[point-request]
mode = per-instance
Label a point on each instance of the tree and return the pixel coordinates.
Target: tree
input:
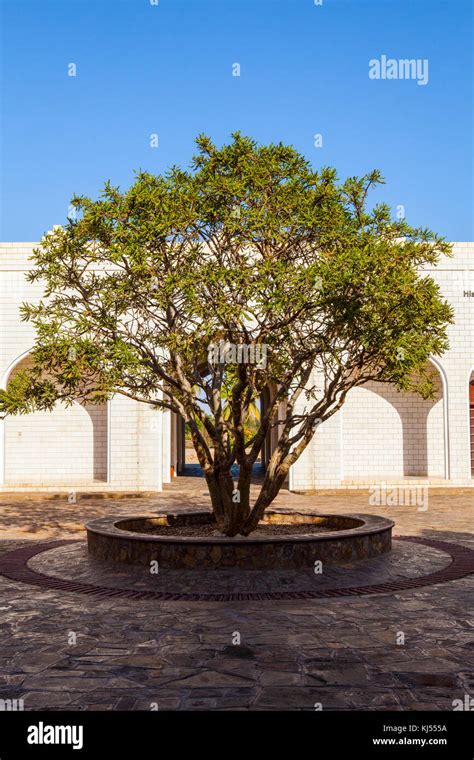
(249, 270)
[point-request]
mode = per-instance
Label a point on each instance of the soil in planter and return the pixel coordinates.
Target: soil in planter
(269, 529)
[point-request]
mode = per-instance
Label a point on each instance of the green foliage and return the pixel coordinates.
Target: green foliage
(251, 246)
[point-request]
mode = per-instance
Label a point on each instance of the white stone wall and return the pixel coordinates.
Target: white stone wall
(456, 279)
(72, 441)
(387, 434)
(382, 435)
(135, 449)
(54, 447)
(115, 447)
(378, 435)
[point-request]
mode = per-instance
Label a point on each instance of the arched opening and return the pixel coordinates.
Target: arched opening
(184, 458)
(67, 446)
(388, 434)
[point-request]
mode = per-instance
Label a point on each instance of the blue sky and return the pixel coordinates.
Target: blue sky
(166, 69)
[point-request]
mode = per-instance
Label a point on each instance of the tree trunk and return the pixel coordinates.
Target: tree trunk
(272, 483)
(230, 503)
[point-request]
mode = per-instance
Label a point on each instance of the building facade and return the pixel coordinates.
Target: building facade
(379, 436)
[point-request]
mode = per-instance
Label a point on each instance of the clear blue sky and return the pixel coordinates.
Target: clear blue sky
(167, 69)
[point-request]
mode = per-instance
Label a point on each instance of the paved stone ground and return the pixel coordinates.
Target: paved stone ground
(73, 563)
(402, 651)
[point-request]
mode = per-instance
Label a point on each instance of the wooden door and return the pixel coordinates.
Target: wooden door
(471, 419)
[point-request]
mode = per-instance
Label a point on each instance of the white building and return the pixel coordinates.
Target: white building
(380, 435)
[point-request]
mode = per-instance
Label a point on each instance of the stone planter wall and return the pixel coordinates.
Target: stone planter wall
(351, 538)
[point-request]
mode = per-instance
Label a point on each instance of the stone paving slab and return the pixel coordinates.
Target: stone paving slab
(448, 510)
(291, 655)
(72, 562)
(412, 650)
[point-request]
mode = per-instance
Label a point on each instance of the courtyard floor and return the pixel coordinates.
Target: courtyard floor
(406, 650)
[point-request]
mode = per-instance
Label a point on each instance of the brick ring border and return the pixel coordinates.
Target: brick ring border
(14, 566)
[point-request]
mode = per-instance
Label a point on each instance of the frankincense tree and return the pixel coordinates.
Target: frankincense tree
(251, 270)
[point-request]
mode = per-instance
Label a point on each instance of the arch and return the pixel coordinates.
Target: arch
(180, 461)
(11, 367)
(67, 446)
(390, 434)
(371, 434)
(444, 382)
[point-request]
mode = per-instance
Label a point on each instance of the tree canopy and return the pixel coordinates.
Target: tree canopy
(168, 291)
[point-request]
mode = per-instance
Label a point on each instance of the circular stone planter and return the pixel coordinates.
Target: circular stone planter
(346, 538)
